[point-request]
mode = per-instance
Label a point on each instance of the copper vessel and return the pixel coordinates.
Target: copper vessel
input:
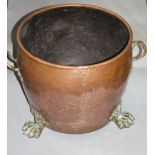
(74, 61)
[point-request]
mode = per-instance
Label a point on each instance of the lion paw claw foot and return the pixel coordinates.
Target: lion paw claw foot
(32, 129)
(122, 119)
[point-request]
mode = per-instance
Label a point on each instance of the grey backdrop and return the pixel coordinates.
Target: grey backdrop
(108, 140)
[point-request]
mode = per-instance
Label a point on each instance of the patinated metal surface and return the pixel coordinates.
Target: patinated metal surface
(75, 99)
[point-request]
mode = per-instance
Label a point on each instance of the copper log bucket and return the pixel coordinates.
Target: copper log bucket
(73, 62)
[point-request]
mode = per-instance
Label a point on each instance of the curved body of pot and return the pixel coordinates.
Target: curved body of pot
(75, 99)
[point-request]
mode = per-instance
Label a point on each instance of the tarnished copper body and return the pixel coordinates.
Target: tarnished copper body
(75, 99)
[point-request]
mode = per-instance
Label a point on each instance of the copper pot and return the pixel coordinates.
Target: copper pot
(74, 61)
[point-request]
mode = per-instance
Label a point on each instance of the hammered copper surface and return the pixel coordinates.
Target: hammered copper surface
(75, 99)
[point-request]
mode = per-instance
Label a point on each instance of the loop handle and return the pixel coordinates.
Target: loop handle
(12, 67)
(10, 57)
(13, 60)
(142, 50)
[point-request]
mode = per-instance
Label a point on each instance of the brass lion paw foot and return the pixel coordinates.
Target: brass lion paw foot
(122, 119)
(34, 129)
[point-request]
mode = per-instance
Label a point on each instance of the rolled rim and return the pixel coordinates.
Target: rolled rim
(46, 9)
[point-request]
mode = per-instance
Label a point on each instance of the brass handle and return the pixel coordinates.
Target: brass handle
(13, 60)
(11, 57)
(142, 49)
(12, 67)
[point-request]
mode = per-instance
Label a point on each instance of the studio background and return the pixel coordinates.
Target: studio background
(108, 140)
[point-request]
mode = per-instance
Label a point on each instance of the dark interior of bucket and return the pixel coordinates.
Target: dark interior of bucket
(75, 36)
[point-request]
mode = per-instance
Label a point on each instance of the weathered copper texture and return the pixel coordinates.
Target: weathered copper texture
(75, 99)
